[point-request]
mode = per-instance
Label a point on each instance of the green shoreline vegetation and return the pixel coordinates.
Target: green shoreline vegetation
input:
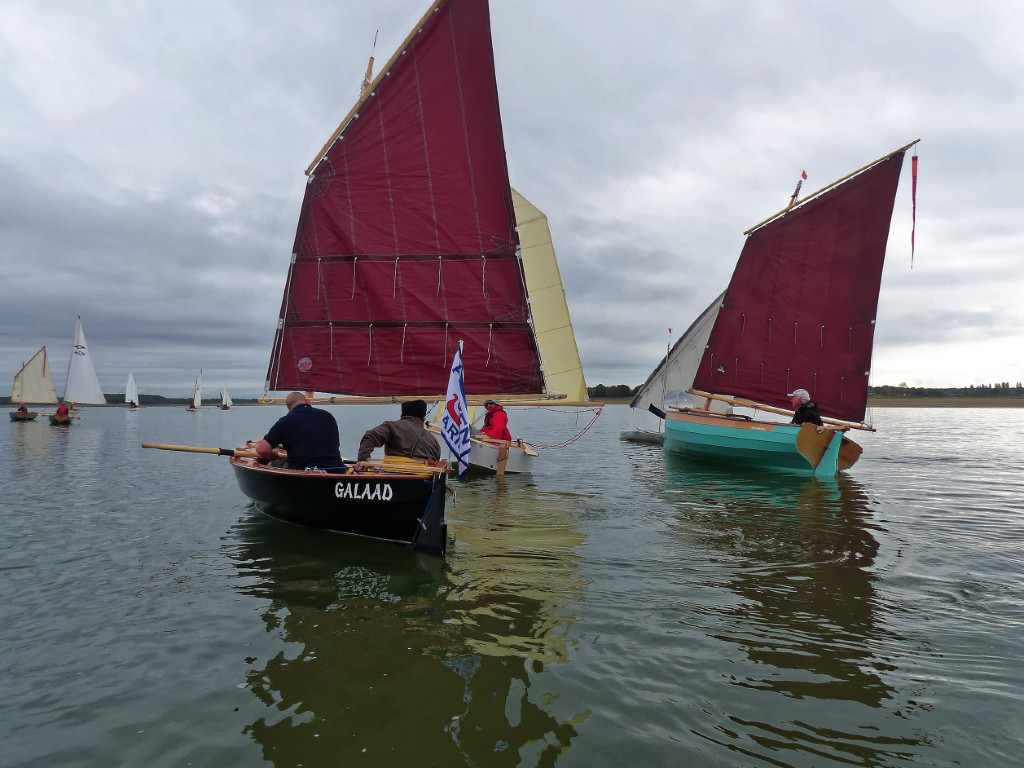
(1001, 395)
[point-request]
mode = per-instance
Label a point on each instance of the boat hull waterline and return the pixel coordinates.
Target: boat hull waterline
(799, 449)
(404, 508)
(487, 455)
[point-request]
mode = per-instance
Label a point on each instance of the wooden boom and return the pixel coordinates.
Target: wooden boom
(743, 403)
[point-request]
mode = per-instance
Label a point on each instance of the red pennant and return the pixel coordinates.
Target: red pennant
(913, 205)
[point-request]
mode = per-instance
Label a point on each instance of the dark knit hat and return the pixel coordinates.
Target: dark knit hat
(417, 408)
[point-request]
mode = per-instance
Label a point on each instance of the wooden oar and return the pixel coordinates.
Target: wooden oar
(237, 453)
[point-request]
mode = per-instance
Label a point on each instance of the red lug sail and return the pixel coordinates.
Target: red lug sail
(800, 308)
(406, 240)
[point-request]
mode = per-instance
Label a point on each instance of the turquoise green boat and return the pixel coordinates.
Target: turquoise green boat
(794, 329)
(799, 449)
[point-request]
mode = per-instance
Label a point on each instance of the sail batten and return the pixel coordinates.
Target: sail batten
(800, 308)
(407, 238)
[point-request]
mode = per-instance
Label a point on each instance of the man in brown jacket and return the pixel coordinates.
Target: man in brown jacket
(406, 437)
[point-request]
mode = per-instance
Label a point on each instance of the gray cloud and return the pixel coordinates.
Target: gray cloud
(151, 161)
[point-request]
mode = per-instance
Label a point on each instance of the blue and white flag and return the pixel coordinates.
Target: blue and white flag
(455, 421)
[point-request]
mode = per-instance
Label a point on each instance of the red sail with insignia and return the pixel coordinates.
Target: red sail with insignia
(799, 312)
(406, 240)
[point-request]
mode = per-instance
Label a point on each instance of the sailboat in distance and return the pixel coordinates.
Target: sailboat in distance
(225, 399)
(131, 393)
(795, 324)
(83, 387)
(33, 385)
(197, 394)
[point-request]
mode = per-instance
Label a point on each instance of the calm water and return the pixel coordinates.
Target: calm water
(617, 608)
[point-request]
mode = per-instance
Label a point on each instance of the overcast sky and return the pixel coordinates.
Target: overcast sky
(152, 158)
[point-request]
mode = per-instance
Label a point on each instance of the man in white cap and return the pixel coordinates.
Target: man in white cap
(804, 409)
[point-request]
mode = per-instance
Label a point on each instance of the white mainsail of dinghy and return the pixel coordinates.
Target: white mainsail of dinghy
(83, 388)
(131, 392)
(670, 379)
(225, 399)
(34, 382)
(197, 393)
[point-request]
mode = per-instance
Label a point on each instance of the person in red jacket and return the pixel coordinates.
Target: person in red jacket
(496, 422)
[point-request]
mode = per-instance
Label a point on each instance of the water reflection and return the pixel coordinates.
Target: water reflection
(795, 557)
(403, 659)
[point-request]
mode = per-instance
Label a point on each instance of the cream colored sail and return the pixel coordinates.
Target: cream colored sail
(83, 387)
(563, 371)
(34, 382)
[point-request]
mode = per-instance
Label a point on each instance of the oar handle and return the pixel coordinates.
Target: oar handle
(238, 454)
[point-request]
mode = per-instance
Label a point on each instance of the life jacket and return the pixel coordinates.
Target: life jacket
(496, 424)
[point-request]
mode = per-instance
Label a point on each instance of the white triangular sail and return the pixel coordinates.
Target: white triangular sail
(674, 374)
(131, 392)
(563, 371)
(83, 387)
(34, 382)
(225, 399)
(197, 393)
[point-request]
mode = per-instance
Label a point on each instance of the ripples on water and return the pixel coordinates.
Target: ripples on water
(620, 607)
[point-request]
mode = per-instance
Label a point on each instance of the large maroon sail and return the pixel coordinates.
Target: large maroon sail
(406, 241)
(800, 308)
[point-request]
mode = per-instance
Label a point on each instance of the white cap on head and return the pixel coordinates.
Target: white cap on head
(801, 393)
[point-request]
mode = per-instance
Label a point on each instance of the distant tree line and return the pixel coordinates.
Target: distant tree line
(615, 390)
(999, 389)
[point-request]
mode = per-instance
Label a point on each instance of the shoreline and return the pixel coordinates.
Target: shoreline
(1013, 401)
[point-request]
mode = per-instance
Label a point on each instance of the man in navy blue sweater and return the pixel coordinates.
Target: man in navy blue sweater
(308, 434)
